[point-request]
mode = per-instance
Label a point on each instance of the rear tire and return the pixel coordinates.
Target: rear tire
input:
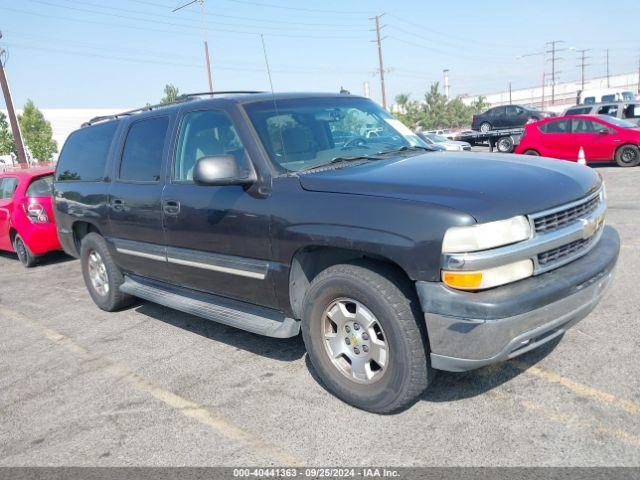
(505, 145)
(531, 152)
(628, 156)
(485, 127)
(26, 257)
(351, 313)
(101, 275)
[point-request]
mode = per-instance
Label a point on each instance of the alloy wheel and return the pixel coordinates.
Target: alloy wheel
(98, 273)
(355, 341)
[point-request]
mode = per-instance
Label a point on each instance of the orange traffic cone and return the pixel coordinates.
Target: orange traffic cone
(581, 159)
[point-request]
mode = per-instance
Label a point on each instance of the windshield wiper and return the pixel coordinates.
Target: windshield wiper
(335, 160)
(405, 148)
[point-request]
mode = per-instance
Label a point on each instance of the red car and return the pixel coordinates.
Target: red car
(27, 226)
(603, 139)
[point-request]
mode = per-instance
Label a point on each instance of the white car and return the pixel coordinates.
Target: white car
(449, 145)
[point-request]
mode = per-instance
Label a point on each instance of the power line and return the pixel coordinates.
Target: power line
(298, 9)
(173, 24)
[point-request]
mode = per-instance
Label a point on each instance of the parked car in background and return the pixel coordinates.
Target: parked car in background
(390, 262)
(27, 225)
(443, 143)
(624, 110)
(602, 138)
(599, 95)
(506, 116)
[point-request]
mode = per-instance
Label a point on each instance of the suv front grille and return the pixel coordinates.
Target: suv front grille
(562, 218)
(559, 254)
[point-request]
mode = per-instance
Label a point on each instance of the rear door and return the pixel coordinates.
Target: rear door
(498, 118)
(217, 236)
(135, 212)
(557, 140)
(8, 185)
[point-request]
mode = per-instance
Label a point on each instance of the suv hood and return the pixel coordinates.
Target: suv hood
(486, 186)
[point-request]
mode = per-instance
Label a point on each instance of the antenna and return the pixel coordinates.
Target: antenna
(266, 61)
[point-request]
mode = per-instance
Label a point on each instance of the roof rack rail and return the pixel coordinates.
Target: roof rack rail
(179, 99)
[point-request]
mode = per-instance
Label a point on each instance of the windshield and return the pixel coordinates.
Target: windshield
(617, 122)
(299, 134)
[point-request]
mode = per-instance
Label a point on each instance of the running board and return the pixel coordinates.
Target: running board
(252, 318)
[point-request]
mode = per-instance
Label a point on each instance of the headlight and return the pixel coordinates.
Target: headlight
(491, 277)
(483, 236)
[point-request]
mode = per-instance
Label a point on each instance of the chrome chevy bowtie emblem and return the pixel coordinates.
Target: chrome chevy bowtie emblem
(589, 226)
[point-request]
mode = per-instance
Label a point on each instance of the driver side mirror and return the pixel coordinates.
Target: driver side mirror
(603, 131)
(221, 170)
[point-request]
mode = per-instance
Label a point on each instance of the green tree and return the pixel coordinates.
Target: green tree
(479, 105)
(37, 133)
(171, 92)
(6, 138)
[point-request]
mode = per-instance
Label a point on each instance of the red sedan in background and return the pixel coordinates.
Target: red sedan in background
(27, 226)
(603, 139)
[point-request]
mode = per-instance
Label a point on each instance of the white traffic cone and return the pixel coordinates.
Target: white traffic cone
(581, 159)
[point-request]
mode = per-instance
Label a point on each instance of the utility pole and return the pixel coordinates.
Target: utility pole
(204, 38)
(554, 52)
(378, 40)
(13, 121)
(582, 65)
(608, 77)
(447, 87)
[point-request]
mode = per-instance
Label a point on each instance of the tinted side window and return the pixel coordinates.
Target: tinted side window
(202, 134)
(7, 187)
(581, 125)
(611, 110)
(41, 187)
(608, 98)
(142, 154)
(632, 111)
(84, 155)
(589, 100)
(557, 126)
(578, 111)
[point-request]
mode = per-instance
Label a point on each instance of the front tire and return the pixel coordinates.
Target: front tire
(26, 257)
(364, 335)
(628, 156)
(101, 275)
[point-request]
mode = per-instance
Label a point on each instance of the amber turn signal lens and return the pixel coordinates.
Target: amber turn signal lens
(463, 280)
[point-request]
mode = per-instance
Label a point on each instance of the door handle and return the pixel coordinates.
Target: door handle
(171, 207)
(117, 204)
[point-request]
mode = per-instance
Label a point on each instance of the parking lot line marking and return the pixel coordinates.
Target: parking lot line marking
(579, 388)
(188, 408)
(569, 420)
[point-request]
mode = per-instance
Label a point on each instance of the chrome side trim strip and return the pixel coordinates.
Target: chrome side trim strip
(217, 268)
(136, 253)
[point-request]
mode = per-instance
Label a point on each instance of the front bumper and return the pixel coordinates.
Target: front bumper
(470, 330)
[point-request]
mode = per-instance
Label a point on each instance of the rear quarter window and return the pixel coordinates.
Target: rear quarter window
(84, 155)
(41, 187)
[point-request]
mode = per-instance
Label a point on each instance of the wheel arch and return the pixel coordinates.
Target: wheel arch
(309, 261)
(80, 229)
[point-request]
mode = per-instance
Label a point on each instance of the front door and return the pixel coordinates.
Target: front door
(217, 236)
(593, 137)
(8, 186)
(135, 212)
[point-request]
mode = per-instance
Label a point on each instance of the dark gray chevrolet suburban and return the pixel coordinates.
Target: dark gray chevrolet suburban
(324, 214)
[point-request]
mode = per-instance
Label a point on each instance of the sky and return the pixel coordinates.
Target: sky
(121, 53)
